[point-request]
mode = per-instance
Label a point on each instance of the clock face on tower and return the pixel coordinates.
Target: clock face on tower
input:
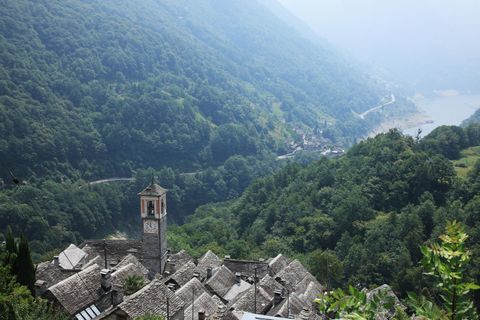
(150, 226)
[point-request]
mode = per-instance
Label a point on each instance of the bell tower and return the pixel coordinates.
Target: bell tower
(153, 211)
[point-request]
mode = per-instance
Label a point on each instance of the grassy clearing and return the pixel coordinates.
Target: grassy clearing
(467, 161)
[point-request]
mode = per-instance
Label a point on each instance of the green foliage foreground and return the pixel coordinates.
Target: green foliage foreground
(445, 261)
(16, 285)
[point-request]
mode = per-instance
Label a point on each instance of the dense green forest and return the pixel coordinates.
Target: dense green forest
(96, 88)
(354, 220)
(205, 94)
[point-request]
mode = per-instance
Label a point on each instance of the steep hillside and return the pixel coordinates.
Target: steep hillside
(364, 214)
(474, 118)
(204, 93)
(107, 86)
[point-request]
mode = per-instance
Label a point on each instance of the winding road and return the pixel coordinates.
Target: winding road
(392, 100)
(110, 180)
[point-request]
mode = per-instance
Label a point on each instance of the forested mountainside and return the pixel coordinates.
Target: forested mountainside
(364, 215)
(104, 87)
(204, 92)
(474, 118)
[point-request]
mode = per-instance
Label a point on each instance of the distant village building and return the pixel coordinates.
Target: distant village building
(87, 281)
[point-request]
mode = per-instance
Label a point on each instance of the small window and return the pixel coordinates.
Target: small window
(150, 208)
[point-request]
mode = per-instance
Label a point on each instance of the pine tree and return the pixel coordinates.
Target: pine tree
(25, 268)
(11, 250)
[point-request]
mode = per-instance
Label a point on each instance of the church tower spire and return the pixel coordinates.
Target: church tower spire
(153, 211)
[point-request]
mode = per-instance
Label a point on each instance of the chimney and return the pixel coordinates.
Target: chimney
(209, 272)
(106, 281)
(40, 287)
(117, 295)
(56, 263)
(171, 286)
(277, 297)
(201, 315)
(238, 277)
(305, 314)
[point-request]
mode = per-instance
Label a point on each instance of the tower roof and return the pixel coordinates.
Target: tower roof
(153, 189)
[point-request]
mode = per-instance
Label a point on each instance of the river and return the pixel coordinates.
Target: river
(444, 110)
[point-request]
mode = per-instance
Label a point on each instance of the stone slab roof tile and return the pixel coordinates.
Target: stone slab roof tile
(182, 275)
(72, 257)
(186, 293)
(51, 274)
(152, 299)
(276, 264)
(208, 260)
(131, 259)
(95, 260)
(79, 290)
(116, 250)
(292, 274)
(247, 267)
(294, 302)
(179, 259)
(221, 281)
(205, 303)
(120, 275)
(246, 301)
(236, 290)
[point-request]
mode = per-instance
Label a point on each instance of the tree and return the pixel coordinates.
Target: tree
(11, 250)
(25, 268)
(17, 303)
(446, 262)
(326, 267)
(356, 305)
(132, 284)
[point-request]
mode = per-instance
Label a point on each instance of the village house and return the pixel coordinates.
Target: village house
(87, 281)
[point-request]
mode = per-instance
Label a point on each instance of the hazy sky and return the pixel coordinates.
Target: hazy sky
(407, 37)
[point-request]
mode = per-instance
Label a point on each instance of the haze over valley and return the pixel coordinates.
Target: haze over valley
(239, 160)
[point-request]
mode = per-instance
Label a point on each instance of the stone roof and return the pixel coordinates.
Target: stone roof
(152, 299)
(246, 301)
(177, 260)
(153, 189)
(79, 290)
(186, 292)
(52, 274)
(131, 259)
(247, 267)
(72, 258)
(236, 290)
(204, 303)
(95, 260)
(294, 302)
(292, 274)
(221, 281)
(208, 260)
(131, 269)
(270, 285)
(266, 288)
(311, 293)
(302, 286)
(116, 250)
(276, 264)
(183, 275)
